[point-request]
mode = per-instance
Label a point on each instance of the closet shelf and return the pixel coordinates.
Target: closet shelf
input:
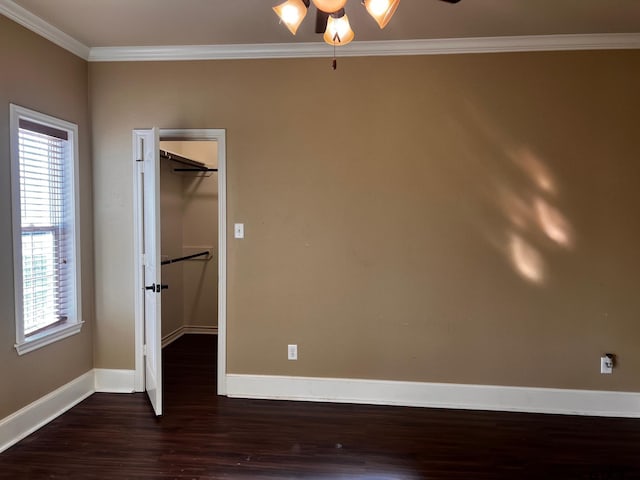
(195, 169)
(191, 165)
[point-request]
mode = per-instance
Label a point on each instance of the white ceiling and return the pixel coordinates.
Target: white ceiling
(118, 23)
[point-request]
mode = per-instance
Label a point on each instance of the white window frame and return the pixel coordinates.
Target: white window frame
(74, 322)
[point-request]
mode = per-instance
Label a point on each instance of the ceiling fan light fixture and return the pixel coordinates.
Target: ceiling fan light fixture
(329, 6)
(291, 13)
(381, 10)
(339, 31)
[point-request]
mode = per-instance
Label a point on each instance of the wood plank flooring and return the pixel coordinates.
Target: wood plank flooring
(203, 436)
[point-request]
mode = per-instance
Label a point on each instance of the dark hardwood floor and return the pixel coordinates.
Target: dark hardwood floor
(202, 436)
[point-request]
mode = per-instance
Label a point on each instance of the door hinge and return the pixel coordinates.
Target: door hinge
(141, 151)
(143, 259)
(144, 350)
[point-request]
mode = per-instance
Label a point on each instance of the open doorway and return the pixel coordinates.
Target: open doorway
(189, 262)
(180, 195)
(189, 238)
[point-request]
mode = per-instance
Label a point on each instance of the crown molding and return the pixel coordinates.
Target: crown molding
(37, 25)
(533, 43)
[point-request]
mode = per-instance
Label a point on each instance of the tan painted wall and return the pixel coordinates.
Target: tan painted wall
(464, 218)
(171, 206)
(189, 206)
(200, 229)
(41, 76)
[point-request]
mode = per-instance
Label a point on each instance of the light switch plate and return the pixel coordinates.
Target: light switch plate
(292, 352)
(238, 230)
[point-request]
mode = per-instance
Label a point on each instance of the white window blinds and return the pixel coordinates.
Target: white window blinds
(46, 226)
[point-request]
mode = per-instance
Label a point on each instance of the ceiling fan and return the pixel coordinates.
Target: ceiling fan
(331, 19)
(322, 17)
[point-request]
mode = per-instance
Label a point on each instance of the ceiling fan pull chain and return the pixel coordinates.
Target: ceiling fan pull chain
(334, 64)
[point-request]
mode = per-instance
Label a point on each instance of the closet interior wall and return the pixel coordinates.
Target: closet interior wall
(189, 224)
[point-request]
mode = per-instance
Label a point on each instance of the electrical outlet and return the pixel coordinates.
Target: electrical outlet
(292, 352)
(606, 364)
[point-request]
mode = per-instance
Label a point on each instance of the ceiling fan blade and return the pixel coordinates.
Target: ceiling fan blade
(321, 21)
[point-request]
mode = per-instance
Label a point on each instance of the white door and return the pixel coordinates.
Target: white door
(148, 155)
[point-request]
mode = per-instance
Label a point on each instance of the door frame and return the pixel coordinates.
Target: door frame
(204, 134)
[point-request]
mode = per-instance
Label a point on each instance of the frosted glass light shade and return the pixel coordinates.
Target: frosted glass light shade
(329, 6)
(338, 31)
(291, 13)
(381, 10)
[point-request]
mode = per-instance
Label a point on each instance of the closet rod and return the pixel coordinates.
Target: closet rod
(188, 257)
(183, 160)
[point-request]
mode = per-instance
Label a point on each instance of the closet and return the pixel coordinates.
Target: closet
(189, 238)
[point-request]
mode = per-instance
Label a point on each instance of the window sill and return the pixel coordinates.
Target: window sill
(45, 338)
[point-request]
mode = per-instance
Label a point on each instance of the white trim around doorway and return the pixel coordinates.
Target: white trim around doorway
(207, 134)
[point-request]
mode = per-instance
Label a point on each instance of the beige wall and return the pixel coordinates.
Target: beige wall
(200, 229)
(462, 218)
(189, 206)
(171, 206)
(43, 77)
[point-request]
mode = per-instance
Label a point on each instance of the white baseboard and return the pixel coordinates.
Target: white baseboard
(201, 329)
(27, 420)
(436, 395)
(172, 337)
(114, 381)
(188, 329)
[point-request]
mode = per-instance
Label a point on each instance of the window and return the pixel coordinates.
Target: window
(45, 229)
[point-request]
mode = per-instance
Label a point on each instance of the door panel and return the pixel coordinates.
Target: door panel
(148, 146)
